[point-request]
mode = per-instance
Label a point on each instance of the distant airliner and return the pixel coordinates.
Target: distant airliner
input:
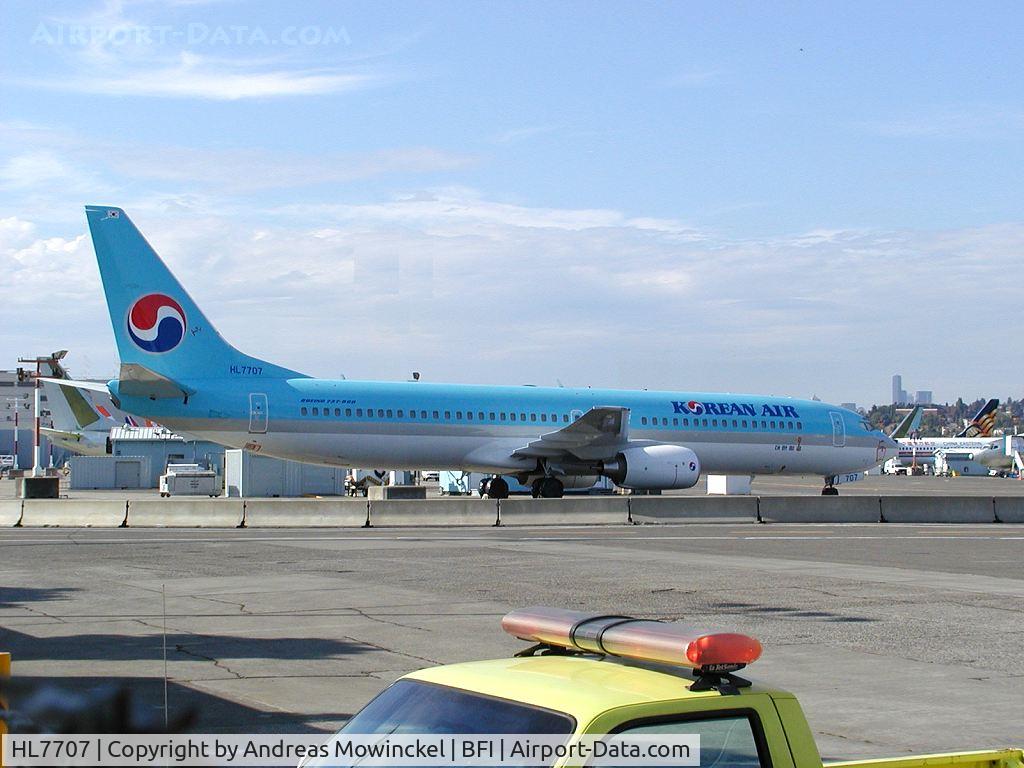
(176, 369)
(973, 443)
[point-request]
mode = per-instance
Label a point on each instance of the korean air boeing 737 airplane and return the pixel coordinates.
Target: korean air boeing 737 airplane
(176, 369)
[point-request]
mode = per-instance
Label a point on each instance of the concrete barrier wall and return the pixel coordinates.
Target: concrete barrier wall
(693, 509)
(938, 509)
(179, 513)
(305, 513)
(592, 510)
(819, 509)
(74, 513)
(414, 512)
(10, 513)
(1010, 509)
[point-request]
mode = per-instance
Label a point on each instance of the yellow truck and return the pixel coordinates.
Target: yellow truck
(597, 674)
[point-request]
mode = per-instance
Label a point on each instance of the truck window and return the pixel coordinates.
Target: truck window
(410, 706)
(725, 742)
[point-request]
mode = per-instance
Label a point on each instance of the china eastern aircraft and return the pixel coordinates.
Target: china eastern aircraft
(973, 443)
(177, 370)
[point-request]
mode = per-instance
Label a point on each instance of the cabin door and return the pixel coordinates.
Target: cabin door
(838, 430)
(257, 413)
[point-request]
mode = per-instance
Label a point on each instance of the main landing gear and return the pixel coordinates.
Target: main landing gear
(830, 488)
(547, 488)
(494, 488)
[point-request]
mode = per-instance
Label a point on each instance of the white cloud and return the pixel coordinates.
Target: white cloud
(462, 211)
(194, 76)
(59, 159)
(515, 135)
(965, 121)
(120, 48)
(471, 289)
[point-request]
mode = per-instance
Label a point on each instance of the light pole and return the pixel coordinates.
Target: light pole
(17, 406)
(51, 360)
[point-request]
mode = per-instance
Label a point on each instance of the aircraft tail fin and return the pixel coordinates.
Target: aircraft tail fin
(983, 422)
(158, 327)
(911, 422)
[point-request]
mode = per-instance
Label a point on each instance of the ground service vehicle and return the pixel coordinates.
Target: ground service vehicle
(597, 674)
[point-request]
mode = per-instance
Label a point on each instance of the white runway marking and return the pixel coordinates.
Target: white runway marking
(241, 537)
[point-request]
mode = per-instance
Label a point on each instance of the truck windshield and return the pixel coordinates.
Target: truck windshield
(409, 706)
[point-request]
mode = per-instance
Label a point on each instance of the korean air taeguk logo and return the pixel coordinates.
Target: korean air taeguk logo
(156, 323)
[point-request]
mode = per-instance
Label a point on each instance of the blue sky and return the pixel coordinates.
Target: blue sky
(785, 198)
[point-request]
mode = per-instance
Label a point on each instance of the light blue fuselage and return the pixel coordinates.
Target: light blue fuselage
(452, 426)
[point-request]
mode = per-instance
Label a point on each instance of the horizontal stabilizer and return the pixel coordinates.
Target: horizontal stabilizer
(138, 381)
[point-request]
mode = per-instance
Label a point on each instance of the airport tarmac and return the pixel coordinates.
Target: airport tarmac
(896, 638)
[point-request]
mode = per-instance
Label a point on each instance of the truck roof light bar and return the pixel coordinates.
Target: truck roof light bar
(713, 656)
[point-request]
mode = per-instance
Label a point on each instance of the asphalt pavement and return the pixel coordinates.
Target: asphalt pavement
(896, 639)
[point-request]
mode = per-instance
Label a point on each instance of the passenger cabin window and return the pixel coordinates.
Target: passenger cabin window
(725, 742)
(423, 414)
(643, 419)
(512, 417)
(391, 414)
(675, 422)
(704, 422)
(303, 410)
(799, 425)
(714, 422)
(543, 417)
(380, 413)
(533, 417)
(492, 416)
(480, 415)
(469, 415)
(565, 417)
(436, 414)
(401, 413)
(554, 417)
(448, 415)
(458, 415)
(316, 411)
(522, 417)
(348, 411)
(503, 417)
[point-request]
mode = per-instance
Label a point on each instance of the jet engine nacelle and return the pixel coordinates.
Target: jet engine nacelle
(654, 467)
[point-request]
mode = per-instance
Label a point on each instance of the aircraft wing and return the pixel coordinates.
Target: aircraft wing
(71, 437)
(92, 386)
(596, 434)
